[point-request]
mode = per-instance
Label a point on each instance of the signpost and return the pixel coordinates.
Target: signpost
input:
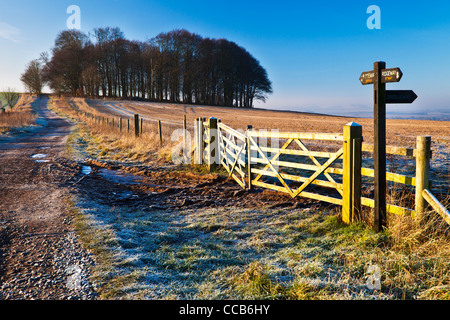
(379, 76)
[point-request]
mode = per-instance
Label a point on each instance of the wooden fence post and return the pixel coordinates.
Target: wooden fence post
(249, 157)
(198, 145)
(128, 125)
(219, 155)
(423, 147)
(136, 125)
(160, 133)
(213, 144)
(200, 141)
(142, 125)
(185, 147)
(120, 125)
(351, 180)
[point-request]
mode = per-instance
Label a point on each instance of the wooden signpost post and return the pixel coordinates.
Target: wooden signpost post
(379, 76)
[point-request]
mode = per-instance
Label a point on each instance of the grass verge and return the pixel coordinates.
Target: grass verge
(21, 116)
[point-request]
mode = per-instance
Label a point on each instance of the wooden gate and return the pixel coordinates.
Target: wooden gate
(248, 162)
(273, 166)
(232, 152)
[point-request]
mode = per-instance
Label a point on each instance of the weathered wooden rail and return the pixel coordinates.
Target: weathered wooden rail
(294, 168)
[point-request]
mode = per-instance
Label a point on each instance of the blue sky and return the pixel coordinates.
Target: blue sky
(314, 52)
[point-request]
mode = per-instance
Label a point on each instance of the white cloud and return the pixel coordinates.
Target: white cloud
(9, 32)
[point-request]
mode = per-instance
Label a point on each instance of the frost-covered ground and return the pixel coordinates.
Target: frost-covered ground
(226, 253)
(152, 252)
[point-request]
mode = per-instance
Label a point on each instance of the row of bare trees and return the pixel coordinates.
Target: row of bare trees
(176, 66)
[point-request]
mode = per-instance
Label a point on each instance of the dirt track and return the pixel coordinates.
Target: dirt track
(38, 247)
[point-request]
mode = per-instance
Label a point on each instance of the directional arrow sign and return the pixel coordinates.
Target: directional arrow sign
(391, 75)
(367, 77)
(387, 75)
(400, 96)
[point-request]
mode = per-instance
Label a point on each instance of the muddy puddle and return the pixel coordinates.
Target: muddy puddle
(119, 177)
(115, 176)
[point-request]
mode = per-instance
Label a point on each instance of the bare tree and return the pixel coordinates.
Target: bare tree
(32, 77)
(10, 96)
(67, 62)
